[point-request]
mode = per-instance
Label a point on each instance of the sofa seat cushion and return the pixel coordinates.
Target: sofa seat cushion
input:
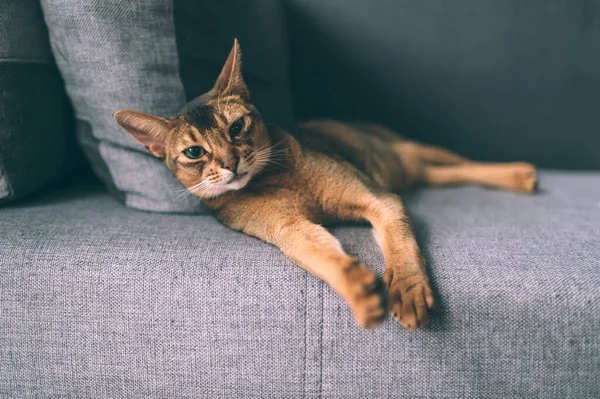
(99, 300)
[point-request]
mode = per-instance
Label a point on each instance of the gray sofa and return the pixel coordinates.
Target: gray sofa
(99, 300)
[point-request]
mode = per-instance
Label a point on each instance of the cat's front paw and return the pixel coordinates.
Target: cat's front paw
(365, 296)
(410, 298)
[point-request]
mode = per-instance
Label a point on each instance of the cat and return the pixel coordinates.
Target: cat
(282, 187)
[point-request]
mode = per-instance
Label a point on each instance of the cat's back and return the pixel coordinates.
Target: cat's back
(330, 130)
(361, 146)
(359, 143)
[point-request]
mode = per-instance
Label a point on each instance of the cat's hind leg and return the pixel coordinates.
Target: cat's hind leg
(437, 166)
(516, 176)
(432, 155)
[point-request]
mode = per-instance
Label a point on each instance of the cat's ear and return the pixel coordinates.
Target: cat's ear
(230, 81)
(148, 130)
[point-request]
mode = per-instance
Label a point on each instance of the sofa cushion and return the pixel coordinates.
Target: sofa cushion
(36, 133)
(101, 301)
(153, 56)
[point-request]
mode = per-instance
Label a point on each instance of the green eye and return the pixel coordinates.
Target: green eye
(237, 127)
(194, 152)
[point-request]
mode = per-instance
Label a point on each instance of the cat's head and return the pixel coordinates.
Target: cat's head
(216, 143)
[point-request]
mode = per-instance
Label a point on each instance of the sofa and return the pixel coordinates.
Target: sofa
(101, 300)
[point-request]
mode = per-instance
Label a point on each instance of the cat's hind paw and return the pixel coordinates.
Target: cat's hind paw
(524, 177)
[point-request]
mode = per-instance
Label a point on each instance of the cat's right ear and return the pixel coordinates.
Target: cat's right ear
(148, 130)
(230, 80)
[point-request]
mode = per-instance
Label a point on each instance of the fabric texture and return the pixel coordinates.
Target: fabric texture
(101, 301)
(124, 55)
(35, 116)
(23, 34)
(492, 80)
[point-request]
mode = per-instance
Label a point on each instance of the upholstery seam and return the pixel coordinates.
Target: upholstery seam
(322, 294)
(304, 386)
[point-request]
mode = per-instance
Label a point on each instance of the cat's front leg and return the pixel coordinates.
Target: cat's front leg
(409, 293)
(285, 223)
(313, 248)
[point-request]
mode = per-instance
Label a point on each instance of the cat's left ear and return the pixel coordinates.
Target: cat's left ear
(148, 130)
(230, 81)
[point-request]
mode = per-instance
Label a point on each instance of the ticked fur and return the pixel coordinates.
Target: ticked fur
(283, 186)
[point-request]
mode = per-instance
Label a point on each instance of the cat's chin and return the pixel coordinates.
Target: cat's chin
(237, 177)
(237, 182)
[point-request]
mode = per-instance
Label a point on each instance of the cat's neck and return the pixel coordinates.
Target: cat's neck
(285, 149)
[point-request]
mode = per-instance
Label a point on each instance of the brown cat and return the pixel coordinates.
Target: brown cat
(282, 187)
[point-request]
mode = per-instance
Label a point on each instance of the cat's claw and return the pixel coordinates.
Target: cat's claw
(410, 299)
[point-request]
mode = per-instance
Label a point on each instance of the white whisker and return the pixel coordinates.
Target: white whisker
(192, 189)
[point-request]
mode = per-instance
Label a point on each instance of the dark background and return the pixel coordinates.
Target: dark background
(494, 80)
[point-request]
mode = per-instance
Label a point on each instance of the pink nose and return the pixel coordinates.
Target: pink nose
(231, 164)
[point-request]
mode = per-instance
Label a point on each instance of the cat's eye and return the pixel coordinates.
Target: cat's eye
(194, 152)
(237, 127)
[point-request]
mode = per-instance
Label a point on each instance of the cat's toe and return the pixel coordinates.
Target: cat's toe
(525, 177)
(366, 297)
(410, 299)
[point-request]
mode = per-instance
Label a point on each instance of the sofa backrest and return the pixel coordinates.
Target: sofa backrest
(37, 144)
(494, 80)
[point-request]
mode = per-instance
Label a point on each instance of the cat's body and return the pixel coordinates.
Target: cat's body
(283, 186)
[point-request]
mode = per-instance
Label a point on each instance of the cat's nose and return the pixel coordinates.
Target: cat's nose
(231, 164)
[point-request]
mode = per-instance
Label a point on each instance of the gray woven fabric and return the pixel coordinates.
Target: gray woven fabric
(124, 55)
(35, 117)
(100, 301)
(518, 290)
(114, 55)
(23, 35)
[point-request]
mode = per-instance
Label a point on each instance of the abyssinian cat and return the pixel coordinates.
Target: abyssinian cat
(283, 186)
